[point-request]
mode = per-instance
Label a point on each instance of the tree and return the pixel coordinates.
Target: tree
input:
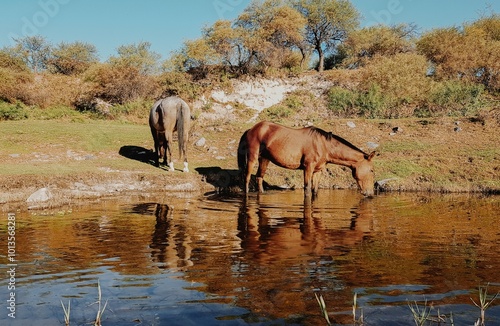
(470, 53)
(72, 58)
(226, 42)
(14, 76)
(34, 51)
(138, 56)
(198, 55)
(271, 30)
(363, 44)
(328, 23)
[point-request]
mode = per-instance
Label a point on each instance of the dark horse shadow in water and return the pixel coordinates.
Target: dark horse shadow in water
(229, 180)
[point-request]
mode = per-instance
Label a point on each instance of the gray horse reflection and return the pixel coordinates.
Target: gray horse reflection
(170, 242)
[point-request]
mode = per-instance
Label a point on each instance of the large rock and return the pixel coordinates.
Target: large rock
(41, 195)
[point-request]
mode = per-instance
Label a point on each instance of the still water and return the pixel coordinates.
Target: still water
(259, 260)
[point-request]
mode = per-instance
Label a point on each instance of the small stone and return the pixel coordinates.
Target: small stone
(351, 124)
(372, 145)
(200, 142)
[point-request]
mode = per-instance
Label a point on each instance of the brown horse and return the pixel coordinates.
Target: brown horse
(168, 115)
(308, 149)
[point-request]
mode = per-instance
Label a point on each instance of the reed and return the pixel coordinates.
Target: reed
(67, 312)
(100, 309)
(483, 303)
(420, 314)
(360, 320)
(322, 307)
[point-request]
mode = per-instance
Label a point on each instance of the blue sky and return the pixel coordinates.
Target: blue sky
(166, 24)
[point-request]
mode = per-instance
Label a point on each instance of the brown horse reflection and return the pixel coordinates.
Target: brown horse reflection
(315, 233)
(308, 149)
(297, 253)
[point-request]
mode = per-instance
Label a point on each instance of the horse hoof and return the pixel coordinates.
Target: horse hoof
(185, 170)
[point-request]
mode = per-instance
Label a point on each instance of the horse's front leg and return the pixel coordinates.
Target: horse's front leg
(315, 182)
(308, 176)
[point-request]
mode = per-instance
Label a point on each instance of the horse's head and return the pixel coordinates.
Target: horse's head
(362, 171)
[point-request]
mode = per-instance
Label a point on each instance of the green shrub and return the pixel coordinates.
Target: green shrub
(342, 101)
(293, 103)
(372, 104)
(13, 111)
(455, 97)
(181, 84)
(54, 112)
(136, 110)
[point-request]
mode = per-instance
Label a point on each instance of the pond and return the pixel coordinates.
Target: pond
(218, 260)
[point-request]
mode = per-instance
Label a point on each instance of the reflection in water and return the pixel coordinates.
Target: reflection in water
(258, 259)
(170, 244)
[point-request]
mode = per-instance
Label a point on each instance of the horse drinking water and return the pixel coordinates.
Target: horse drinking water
(166, 116)
(308, 149)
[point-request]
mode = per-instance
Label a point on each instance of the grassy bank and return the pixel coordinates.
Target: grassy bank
(98, 158)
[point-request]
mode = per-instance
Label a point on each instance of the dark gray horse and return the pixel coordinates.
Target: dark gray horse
(168, 115)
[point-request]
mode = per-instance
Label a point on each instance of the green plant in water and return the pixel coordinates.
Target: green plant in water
(67, 312)
(483, 303)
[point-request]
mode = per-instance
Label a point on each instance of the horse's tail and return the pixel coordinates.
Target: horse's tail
(183, 118)
(242, 153)
(159, 111)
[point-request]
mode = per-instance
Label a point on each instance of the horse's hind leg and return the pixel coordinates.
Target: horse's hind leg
(156, 150)
(184, 154)
(252, 159)
(168, 151)
(263, 163)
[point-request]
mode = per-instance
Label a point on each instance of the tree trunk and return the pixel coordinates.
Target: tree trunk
(321, 55)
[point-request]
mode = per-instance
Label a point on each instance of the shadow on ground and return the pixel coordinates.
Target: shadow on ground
(229, 180)
(137, 153)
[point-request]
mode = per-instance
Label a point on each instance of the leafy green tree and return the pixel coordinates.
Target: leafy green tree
(226, 42)
(270, 30)
(72, 58)
(328, 23)
(34, 51)
(138, 56)
(199, 56)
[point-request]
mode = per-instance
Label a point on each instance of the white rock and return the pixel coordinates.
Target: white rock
(200, 142)
(41, 195)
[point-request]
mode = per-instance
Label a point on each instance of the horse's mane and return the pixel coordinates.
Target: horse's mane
(330, 136)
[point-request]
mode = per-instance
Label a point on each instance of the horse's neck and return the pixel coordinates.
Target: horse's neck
(342, 154)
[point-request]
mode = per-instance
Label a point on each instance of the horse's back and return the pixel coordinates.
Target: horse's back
(267, 132)
(284, 146)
